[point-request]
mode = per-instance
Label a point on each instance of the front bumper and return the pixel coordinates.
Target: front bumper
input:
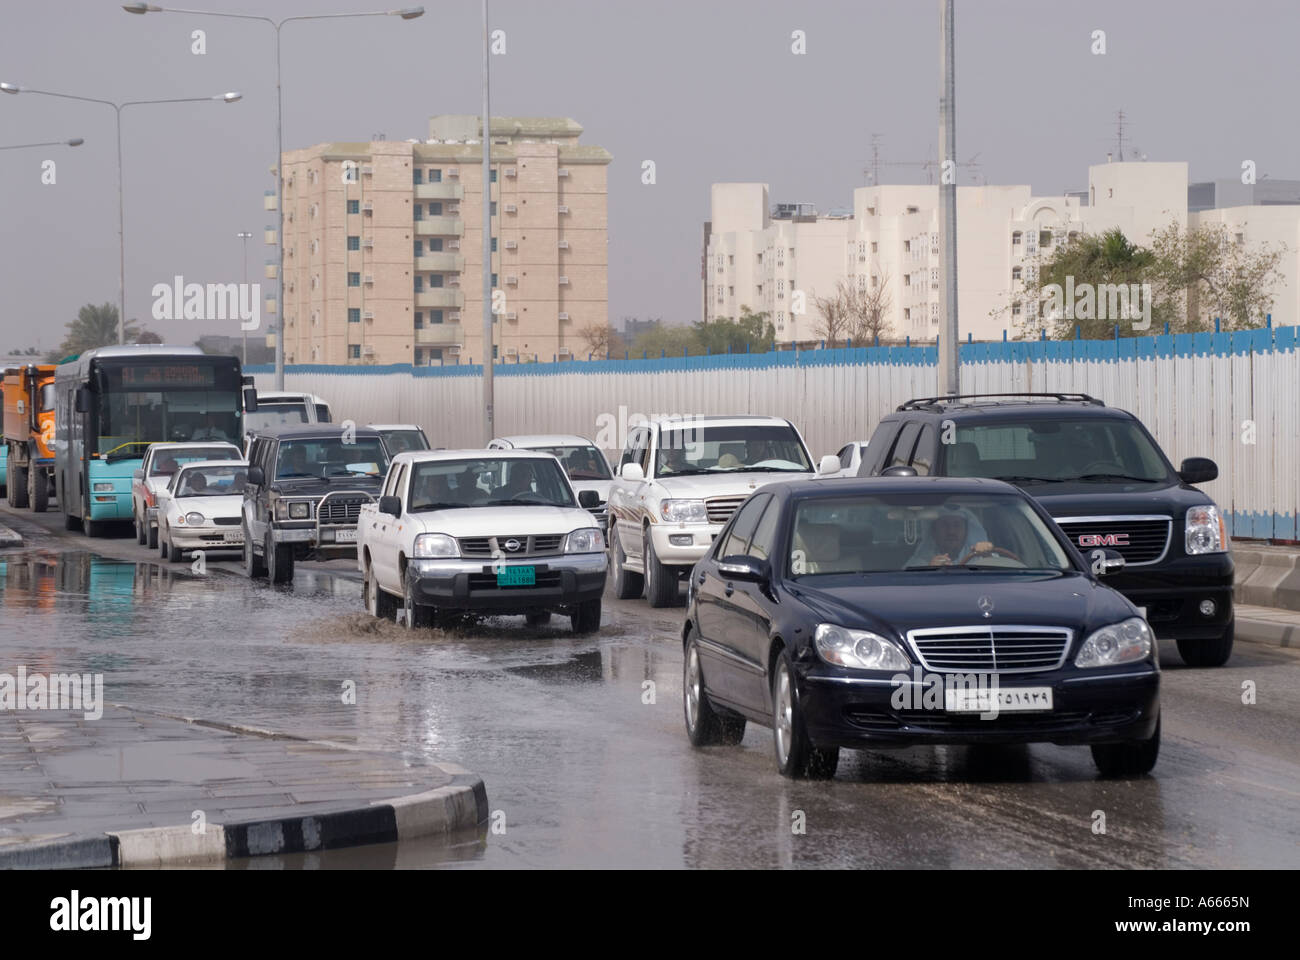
(206, 538)
(1120, 704)
(320, 542)
(1172, 593)
(470, 585)
(692, 541)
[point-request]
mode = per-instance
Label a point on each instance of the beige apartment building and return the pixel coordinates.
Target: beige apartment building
(383, 257)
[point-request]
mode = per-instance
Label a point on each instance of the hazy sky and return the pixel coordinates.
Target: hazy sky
(708, 89)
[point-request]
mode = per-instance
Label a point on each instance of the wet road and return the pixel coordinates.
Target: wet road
(581, 743)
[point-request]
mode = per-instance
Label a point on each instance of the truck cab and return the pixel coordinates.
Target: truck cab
(29, 435)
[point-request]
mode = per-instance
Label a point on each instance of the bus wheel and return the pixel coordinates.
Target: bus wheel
(89, 527)
(17, 489)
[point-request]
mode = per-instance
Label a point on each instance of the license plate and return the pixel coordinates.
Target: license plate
(517, 577)
(1007, 699)
(232, 536)
(345, 536)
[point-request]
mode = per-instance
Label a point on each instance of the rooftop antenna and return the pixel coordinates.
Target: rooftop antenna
(1119, 135)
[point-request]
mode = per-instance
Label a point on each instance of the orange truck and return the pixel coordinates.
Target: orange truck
(29, 435)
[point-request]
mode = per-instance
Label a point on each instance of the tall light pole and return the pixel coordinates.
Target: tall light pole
(489, 429)
(231, 97)
(949, 362)
(74, 142)
(244, 236)
(406, 13)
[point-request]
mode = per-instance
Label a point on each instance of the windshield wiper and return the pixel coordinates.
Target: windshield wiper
(1096, 477)
(777, 469)
(422, 507)
(520, 503)
(1015, 479)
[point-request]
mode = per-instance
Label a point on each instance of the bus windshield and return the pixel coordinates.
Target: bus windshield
(140, 404)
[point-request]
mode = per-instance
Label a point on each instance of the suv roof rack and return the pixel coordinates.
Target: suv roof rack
(918, 402)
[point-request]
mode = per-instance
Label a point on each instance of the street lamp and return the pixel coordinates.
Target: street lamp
(74, 142)
(405, 13)
(242, 235)
(230, 97)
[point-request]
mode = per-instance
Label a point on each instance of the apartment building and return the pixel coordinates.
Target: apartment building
(383, 257)
(773, 257)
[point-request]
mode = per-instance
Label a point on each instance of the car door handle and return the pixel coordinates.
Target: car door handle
(729, 590)
(700, 579)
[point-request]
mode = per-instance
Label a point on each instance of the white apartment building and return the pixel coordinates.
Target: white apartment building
(773, 264)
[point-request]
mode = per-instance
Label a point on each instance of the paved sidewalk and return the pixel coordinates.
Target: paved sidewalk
(64, 776)
(1279, 628)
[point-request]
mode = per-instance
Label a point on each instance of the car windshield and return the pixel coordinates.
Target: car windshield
(695, 449)
(1090, 449)
(275, 414)
(399, 441)
(488, 482)
(331, 457)
(166, 463)
(212, 481)
(580, 462)
(893, 533)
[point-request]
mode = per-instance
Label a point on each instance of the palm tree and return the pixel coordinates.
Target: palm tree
(95, 326)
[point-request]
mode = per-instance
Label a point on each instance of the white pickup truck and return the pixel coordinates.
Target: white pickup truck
(678, 483)
(481, 533)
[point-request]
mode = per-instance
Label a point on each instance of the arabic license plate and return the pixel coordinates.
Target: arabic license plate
(517, 577)
(345, 536)
(232, 536)
(1007, 700)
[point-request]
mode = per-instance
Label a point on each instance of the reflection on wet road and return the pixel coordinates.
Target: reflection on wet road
(581, 742)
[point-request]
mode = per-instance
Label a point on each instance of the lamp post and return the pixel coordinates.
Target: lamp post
(405, 13)
(231, 97)
(74, 142)
(242, 235)
(489, 414)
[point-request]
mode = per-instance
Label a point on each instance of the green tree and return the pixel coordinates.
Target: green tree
(95, 326)
(1208, 272)
(670, 340)
(752, 332)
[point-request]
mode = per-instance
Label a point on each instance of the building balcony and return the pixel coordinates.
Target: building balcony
(439, 191)
(440, 263)
(440, 298)
(439, 227)
(440, 335)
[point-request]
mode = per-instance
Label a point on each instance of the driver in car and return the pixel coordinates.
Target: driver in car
(953, 535)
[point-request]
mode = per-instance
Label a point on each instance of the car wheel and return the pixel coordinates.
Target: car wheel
(660, 582)
(417, 615)
(1127, 759)
(379, 604)
(173, 551)
(38, 489)
(254, 566)
(627, 585)
(160, 543)
(1208, 653)
(586, 616)
(140, 536)
(704, 727)
(279, 560)
(16, 490)
(151, 534)
(796, 757)
(537, 619)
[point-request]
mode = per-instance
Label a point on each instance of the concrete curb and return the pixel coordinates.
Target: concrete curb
(1267, 577)
(10, 537)
(1274, 633)
(460, 805)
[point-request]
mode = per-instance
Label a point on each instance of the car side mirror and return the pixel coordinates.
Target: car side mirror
(631, 471)
(588, 499)
(82, 400)
(391, 506)
(256, 477)
(898, 471)
(743, 567)
(138, 474)
(1106, 561)
(1198, 470)
(828, 464)
(250, 400)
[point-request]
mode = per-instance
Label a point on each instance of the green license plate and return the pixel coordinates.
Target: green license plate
(517, 577)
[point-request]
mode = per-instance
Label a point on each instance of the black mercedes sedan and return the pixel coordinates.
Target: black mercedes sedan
(894, 611)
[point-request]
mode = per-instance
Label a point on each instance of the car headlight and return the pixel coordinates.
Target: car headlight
(859, 649)
(1205, 530)
(433, 545)
(683, 511)
(1122, 642)
(293, 509)
(194, 519)
(103, 487)
(586, 540)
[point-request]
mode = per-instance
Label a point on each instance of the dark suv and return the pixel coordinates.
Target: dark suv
(305, 488)
(1105, 481)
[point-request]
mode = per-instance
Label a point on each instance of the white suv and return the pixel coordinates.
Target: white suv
(678, 482)
(583, 462)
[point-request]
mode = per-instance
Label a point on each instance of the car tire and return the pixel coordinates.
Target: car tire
(38, 489)
(254, 566)
(660, 581)
(417, 615)
(586, 616)
(150, 533)
(279, 560)
(1130, 759)
(380, 605)
(704, 726)
(537, 619)
(141, 537)
(1209, 653)
(173, 551)
(796, 756)
(627, 585)
(16, 491)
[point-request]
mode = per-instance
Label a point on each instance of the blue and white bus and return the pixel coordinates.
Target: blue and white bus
(115, 401)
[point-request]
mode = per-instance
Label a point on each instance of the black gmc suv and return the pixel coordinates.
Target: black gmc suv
(305, 487)
(1105, 481)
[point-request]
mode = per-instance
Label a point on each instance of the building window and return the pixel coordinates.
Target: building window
(496, 353)
(418, 175)
(874, 246)
(1044, 238)
(435, 175)
(907, 246)
(494, 244)
(354, 206)
(492, 208)
(354, 351)
(419, 319)
(1015, 273)
(435, 280)
(907, 313)
(419, 212)
(354, 279)
(494, 281)
(435, 209)
(492, 175)
(354, 243)
(434, 353)
(1015, 238)
(934, 311)
(419, 284)
(435, 245)
(731, 291)
(354, 314)
(1015, 309)
(419, 248)
(435, 316)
